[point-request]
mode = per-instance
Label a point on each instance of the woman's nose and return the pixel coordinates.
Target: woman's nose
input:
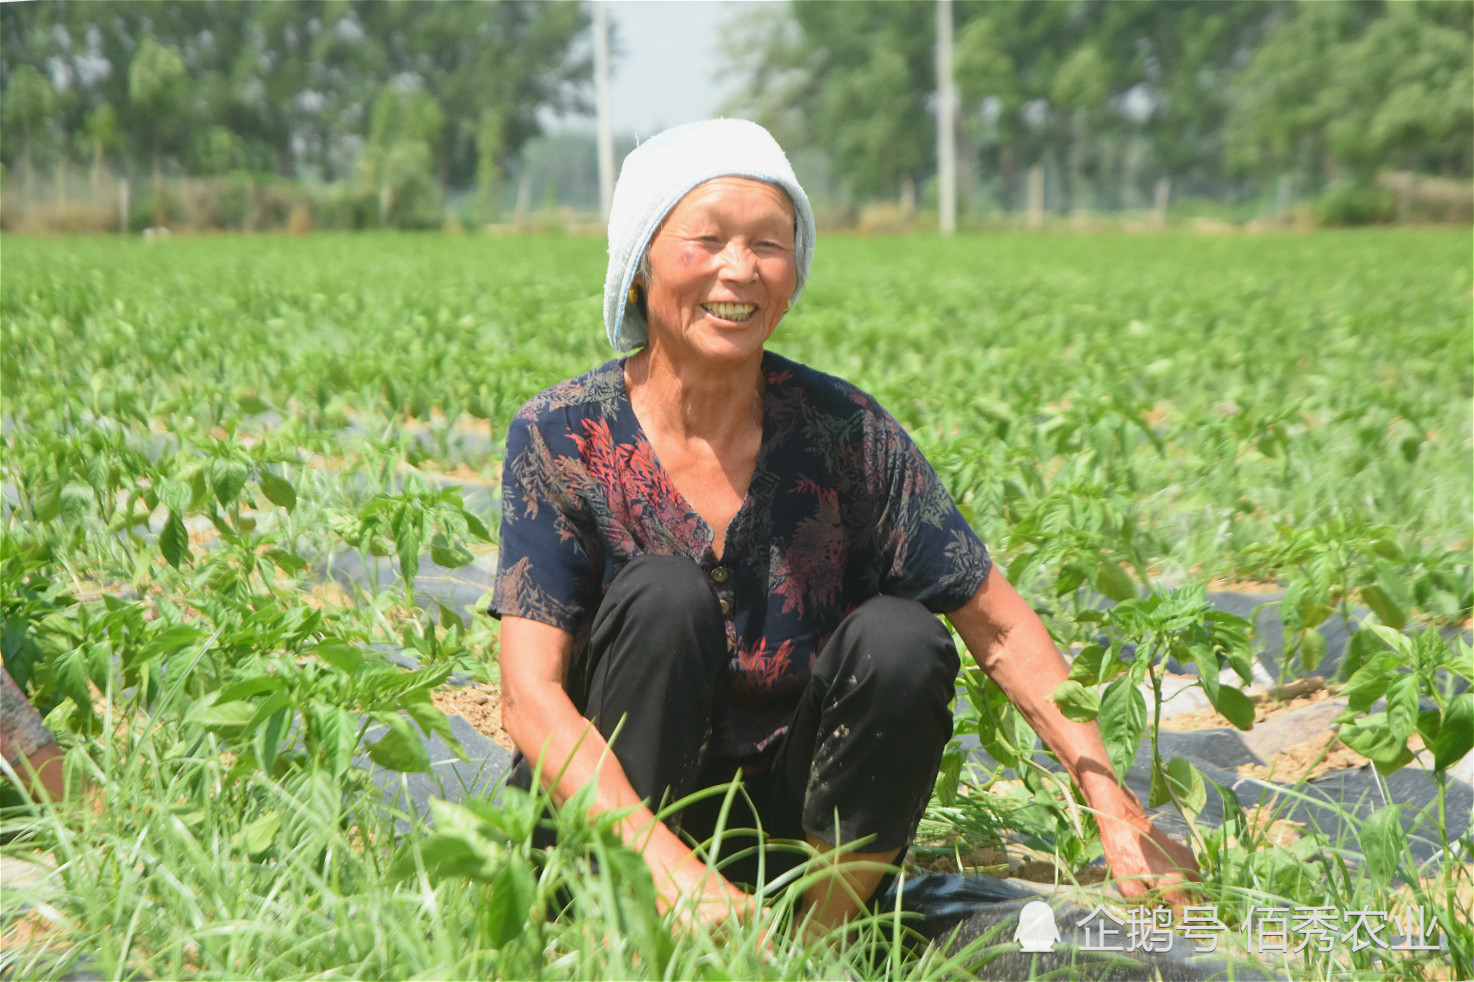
(739, 261)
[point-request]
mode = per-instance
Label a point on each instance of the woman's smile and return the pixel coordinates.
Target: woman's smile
(735, 312)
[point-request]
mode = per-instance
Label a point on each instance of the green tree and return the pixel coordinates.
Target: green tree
(490, 146)
(28, 102)
(218, 150)
(1401, 95)
(158, 86)
(296, 80)
(399, 161)
(1080, 87)
(102, 135)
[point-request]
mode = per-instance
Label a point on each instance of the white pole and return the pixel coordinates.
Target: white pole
(946, 122)
(601, 102)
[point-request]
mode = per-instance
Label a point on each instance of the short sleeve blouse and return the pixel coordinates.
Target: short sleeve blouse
(842, 507)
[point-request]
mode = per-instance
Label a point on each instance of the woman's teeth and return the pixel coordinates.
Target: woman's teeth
(730, 311)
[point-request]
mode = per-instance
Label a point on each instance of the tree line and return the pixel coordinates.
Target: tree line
(403, 99)
(404, 103)
(1226, 98)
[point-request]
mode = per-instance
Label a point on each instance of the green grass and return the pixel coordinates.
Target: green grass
(1125, 413)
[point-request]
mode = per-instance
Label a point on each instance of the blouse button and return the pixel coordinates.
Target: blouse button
(719, 574)
(726, 606)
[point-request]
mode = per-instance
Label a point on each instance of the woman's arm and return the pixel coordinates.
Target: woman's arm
(1013, 647)
(542, 721)
(28, 746)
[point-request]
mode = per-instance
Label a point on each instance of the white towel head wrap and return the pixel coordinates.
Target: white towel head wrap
(657, 175)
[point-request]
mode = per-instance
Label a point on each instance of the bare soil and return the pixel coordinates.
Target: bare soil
(1207, 719)
(480, 704)
(1304, 762)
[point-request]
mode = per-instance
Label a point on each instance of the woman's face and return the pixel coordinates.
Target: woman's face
(722, 268)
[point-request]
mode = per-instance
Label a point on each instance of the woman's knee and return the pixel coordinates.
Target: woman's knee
(655, 587)
(659, 622)
(898, 647)
(655, 594)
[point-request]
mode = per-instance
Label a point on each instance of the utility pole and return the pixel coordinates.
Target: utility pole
(946, 123)
(602, 106)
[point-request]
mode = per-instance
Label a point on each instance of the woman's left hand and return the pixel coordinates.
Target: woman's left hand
(1143, 858)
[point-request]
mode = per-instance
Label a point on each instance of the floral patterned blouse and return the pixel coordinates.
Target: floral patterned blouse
(842, 507)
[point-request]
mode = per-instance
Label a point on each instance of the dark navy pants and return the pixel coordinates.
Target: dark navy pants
(858, 760)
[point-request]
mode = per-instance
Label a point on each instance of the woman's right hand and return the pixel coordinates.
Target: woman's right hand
(541, 720)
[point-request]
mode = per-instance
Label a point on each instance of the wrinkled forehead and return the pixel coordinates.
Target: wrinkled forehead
(723, 191)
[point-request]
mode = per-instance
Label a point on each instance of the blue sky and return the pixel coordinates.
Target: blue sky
(667, 64)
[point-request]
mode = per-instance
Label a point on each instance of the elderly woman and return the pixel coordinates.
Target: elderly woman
(716, 561)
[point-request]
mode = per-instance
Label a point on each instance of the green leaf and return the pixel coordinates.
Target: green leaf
(1456, 733)
(1393, 585)
(1384, 607)
(175, 495)
(1122, 720)
(512, 894)
(75, 501)
(48, 501)
(1159, 793)
(407, 546)
(1395, 639)
(248, 687)
(1207, 665)
(226, 719)
(1235, 707)
(1070, 578)
(1373, 738)
(261, 833)
(1402, 706)
(337, 732)
(68, 673)
(400, 748)
(278, 490)
(199, 490)
(1114, 582)
(1187, 785)
(99, 472)
(1087, 666)
(950, 776)
(1382, 844)
(451, 555)
(1371, 681)
(1290, 608)
(1077, 703)
(447, 854)
(1428, 721)
(229, 477)
(174, 540)
(269, 707)
(340, 654)
(289, 561)
(476, 526)
(1312, 649)
(251, 404)
(172, 637)
(449, 619)
(268, 739)
(431, 719)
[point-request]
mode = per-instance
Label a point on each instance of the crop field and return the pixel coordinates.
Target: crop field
(227, 461)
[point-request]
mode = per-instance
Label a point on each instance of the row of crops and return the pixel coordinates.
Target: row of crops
(198, 432)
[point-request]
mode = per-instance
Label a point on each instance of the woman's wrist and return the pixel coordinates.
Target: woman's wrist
(1110, 800)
